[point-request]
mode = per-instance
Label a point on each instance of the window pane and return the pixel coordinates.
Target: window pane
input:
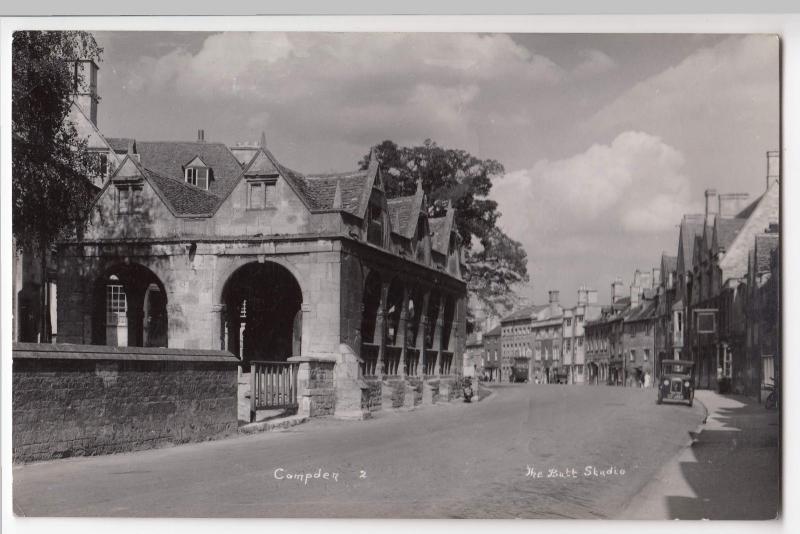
(124, 199)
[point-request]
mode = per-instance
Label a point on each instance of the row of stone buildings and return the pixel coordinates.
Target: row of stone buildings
(714, 301)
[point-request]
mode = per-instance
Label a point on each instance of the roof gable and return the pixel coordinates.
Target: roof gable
(196, 162)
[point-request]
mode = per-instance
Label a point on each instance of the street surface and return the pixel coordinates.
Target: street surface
(731, 471)
(491, 459)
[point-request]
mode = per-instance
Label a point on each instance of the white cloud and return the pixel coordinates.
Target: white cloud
(594, 63)
(352, 83)
(634, 186)
(710, 95)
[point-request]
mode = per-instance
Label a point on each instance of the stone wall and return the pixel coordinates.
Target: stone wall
(76, 400)
(373, 399)
(316, 386)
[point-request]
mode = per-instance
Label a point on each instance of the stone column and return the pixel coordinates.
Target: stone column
(402, 330)
(437, 336)
(380, 330)
(421, 327)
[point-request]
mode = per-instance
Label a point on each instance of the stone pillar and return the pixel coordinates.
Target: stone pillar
(402, 330)
(437, 336)
(421, 327)
(380, 330)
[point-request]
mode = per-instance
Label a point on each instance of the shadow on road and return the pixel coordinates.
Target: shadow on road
(735, 474)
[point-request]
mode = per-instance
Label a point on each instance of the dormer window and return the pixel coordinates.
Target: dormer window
(197, 173)
(197, 176)
(375, 224)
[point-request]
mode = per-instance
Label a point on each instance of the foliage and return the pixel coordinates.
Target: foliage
(49, 160)
(455, 177)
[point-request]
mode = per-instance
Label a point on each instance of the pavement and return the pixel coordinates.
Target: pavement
(528, 451)
(729, 470)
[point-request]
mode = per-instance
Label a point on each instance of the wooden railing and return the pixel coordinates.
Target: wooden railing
(446, 363)
(273, 385)
(369, 353)
(430, 362)
(391, 361)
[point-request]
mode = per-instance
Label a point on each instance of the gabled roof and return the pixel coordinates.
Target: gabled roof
(321, 190)
(120, 145)
(668, 263)
(261, 165)
(691, 227)
(441, 228)
(180, 198)
(726, 230)
(402, 211)
(168, 158)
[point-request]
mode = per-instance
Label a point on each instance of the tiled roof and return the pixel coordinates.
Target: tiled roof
(441, 228)
(765, 245)
(167, 158)
(727, 229)
(183, 198)
(523, 313)
(401, 210)
(321, 190)
(644, 311)
(669, 263)
(494, 332)
(119, 144)
(748, 210)
(691, 227)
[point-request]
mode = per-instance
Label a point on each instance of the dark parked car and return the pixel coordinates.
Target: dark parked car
(677, 381)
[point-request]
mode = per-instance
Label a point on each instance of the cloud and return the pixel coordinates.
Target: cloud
(634, 186)
(594, 63)
(353, 84)
(710, 95)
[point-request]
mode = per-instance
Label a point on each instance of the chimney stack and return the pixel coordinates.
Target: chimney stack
(710, 195)
(85, 86)
(201, 136)
(591, 296)
(636, 292)
(553, 298)
(732, 203)
(616, 290)
(583, 295)
(773, 166)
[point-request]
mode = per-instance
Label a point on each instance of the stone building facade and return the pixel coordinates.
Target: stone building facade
(492, 350)
(200, 245)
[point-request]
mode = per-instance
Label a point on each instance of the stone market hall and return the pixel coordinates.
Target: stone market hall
(197, 245)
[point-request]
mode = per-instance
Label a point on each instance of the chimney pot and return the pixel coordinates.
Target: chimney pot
(710, 194)
(201, 135)
(773, 166)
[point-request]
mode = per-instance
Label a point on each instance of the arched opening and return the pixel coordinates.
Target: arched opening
(262, 318)
(394, 338)
(130, 308)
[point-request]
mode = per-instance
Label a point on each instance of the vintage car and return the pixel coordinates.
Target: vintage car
(677, 381)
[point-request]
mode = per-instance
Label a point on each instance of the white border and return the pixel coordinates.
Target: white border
(787, 26)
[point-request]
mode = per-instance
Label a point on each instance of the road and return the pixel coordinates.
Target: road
(457, 460)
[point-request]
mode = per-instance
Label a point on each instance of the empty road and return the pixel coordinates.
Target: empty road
(528, 451)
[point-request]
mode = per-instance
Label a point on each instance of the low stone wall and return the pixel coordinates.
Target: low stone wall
(373, 397)
(394, 393)
(76, 400)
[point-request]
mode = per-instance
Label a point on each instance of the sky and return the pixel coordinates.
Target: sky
(606, 140)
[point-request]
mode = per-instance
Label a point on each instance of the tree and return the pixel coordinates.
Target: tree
(50, 161)
(455, 177)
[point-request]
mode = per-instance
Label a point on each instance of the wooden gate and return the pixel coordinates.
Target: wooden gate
(273, 385)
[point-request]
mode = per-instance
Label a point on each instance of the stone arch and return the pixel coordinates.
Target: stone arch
(261, 316)
(129, 307)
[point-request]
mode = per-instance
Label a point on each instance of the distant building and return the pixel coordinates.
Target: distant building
(547, 334)
(573, 334)
(492, 350)
(473, 355)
